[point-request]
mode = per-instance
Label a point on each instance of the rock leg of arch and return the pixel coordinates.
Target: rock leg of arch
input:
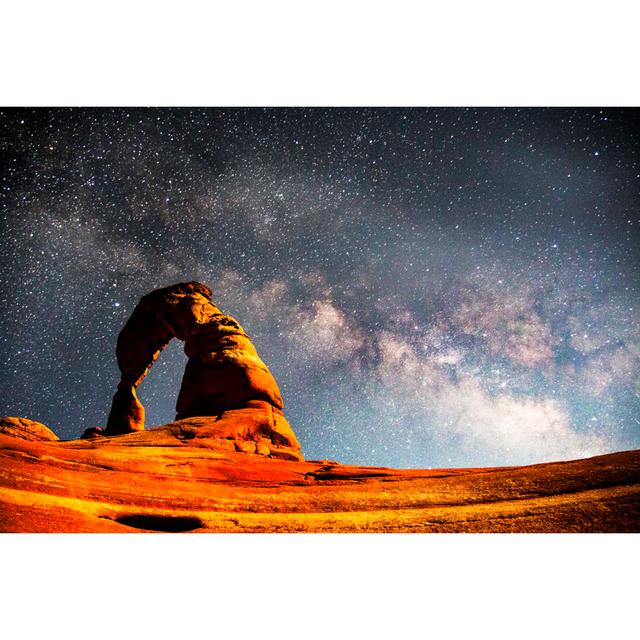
(227, 391)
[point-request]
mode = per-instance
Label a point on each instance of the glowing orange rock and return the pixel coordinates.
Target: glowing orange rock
(223, 374)
(25, 429)
(175, 478)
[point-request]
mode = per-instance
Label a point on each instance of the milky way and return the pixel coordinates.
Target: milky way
(430, 287)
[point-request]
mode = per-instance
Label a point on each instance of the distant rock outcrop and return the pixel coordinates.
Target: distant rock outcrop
(25, 429)
(224, 377)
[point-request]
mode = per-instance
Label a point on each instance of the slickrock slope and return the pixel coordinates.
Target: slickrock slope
(176, 478)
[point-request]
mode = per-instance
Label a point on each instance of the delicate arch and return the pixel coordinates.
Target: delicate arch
(223, 371)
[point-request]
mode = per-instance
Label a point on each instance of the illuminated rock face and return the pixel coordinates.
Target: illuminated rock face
(223, 374)
(25, 429)
(176, 478)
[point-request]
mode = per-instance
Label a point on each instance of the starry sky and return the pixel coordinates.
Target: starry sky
(430, 287)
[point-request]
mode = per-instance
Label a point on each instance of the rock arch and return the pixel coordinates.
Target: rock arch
(224, 372)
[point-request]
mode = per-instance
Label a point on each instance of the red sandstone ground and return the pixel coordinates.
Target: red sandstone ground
(158, 480)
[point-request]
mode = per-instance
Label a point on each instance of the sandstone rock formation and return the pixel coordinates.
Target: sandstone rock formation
(25, 429)
(224, 379)
(171, 479)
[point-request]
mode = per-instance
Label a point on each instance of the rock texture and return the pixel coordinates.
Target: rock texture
(224, 375)
(192, 475)
(25, 429)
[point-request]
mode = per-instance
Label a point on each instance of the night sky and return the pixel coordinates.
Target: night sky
(430, 287)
